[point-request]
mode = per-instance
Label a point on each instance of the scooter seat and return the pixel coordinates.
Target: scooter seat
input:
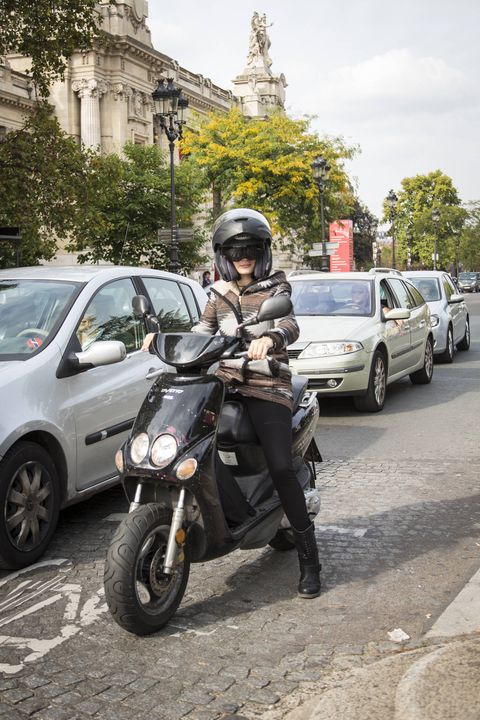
(235, 426)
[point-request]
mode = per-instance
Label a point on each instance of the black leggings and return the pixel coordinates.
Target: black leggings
(273, 425)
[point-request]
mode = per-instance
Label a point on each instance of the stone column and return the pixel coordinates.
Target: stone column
(90, 92)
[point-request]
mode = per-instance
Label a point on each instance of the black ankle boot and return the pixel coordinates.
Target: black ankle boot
(309, 584)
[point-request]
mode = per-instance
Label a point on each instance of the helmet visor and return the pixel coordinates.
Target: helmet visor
(234, 253)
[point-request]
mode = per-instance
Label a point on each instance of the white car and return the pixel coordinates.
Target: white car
(359, 332)
(448, 310)
(64, 411)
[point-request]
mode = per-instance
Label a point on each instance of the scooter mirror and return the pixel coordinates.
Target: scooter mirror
(140, 306)
(274, 308)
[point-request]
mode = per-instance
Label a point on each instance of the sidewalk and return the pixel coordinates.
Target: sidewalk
(438, 679)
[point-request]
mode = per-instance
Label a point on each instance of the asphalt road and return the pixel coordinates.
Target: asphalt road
(398, 534)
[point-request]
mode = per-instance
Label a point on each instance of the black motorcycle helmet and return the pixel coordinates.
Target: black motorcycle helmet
(247, 229)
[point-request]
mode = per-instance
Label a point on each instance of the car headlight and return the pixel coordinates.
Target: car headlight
(139, 448)
(326, 349)
(164, 450)
(434, 320)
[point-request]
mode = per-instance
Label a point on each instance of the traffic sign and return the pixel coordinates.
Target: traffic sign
(319, 246)
(319, 253)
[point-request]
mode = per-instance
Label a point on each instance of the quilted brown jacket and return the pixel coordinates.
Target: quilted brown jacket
(227, 307)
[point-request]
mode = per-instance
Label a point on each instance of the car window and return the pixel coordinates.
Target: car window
(168, 304)
(448, 286)
(404, 298)
(387, 300)
(30, 313)
(108, 316)
(417, 296)
(191, 302)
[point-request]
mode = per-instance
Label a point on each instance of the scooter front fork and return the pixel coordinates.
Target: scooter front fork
(178, 518)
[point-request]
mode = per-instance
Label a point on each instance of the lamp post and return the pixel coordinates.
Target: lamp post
(435, 219)
(170, 110)
(409, 248)
(321, 170)
(392, 204)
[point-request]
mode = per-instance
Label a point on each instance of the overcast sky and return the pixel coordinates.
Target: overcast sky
(401, 80)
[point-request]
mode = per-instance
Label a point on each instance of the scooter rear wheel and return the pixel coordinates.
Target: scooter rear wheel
(283, 540)
(140, 597)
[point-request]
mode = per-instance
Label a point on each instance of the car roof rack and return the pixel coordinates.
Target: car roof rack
(384, 270)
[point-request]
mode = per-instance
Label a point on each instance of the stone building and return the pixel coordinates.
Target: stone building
(105, 98)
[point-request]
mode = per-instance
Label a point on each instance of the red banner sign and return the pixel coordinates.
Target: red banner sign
(341, 259)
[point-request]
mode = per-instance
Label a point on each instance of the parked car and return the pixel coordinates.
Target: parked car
(64, 414)
(448, 310)
(469, 281)
(359, 332)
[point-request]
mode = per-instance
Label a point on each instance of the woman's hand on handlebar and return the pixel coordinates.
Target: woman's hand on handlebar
(259, 348)
(147, 342)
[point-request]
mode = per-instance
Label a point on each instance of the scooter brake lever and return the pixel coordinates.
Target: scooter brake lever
(153, 374)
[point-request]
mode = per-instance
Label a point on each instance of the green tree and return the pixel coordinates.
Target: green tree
(129, 201)
(265, 164)
(469, 241)
(413, 221)
(364, 234)
(43, 178)
(48, 32)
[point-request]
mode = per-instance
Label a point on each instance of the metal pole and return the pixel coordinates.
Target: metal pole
(394, 262)
(174, 266)
(435, 246)
(325, 265)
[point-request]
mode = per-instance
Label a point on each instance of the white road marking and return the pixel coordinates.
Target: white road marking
(116, 517)
(43, 563)
(356, 532)
(26, 599)
(462, 616)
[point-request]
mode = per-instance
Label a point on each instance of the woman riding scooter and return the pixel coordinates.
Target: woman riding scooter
(241, 240)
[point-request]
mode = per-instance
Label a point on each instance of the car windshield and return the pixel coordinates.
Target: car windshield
(332, 297)
(30, 312)
(467, 276)
(429, 287)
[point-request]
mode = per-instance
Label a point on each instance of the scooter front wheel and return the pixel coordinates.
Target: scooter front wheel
(140, 596)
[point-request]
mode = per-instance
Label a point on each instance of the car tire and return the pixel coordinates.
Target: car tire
(424, 375)
(29, 504)
(374, 399)
(464, 344)
(447, 355)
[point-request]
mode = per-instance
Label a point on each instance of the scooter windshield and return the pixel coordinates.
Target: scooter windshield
(184, 350)
(184, 407)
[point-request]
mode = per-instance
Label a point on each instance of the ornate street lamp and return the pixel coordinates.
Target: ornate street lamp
(435, 220)
(170, 110)
(391, 200)
(321, 170)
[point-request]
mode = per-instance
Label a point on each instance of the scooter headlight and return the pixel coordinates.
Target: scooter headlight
(164, 450)
(139, 448)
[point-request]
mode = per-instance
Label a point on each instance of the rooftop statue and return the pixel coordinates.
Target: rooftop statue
(259, 43)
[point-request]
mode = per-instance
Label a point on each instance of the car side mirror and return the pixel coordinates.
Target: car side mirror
(102, 352)
(456, 298)
(395, 314)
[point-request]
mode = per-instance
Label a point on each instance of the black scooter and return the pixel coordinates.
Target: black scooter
(195, 476)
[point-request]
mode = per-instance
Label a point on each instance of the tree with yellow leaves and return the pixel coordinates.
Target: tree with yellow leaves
(265, 164)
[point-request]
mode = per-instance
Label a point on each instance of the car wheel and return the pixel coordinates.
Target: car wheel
(424, 375)
(464, 344)
(447, 355)
(374, 399)
(29, 504)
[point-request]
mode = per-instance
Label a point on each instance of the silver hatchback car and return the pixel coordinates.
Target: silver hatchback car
(448, 310)
(359, 332)
(64, 413)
